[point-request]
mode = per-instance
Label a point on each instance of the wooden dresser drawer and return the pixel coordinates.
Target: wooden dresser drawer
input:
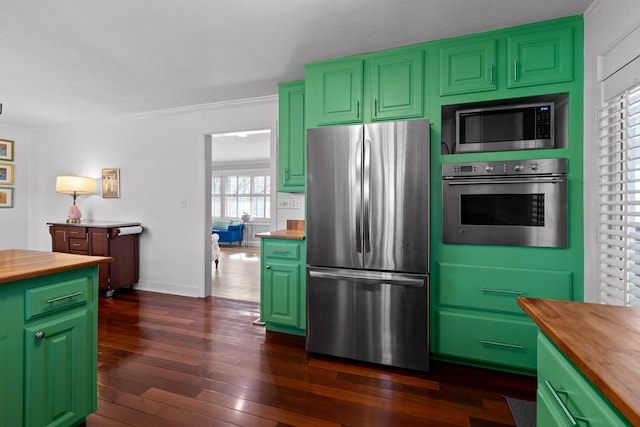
(507, 341)
(496, 288)
(59, 296)
(77, 232)
(78, 245)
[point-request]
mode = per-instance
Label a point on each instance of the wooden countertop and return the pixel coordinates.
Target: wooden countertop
(282, 234)
(603, 341)
(16, 264)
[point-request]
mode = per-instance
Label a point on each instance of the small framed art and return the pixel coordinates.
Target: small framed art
(110, 183)
(6, 150)
(6, 197)
(6, 173)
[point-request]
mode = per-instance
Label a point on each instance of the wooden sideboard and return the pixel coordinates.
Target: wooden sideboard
(102, 238)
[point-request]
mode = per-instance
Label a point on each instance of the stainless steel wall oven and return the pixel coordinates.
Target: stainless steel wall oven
(514, 203)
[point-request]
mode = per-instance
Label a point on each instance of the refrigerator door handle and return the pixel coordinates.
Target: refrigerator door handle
(368, 277)
(365, 194)
(358, 218)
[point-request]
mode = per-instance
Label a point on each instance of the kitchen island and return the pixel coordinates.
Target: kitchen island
(578, 341)
(48, 337)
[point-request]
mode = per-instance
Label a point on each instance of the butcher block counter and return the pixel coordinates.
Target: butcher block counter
(17, 264)
(48, 337)
(601, 341)
(294, 231)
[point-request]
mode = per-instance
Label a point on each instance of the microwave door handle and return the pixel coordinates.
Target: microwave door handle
(507, 181)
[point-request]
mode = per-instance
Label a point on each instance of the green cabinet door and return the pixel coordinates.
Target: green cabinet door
(335, 88)
(58, 370)
(396, 85)
(291, 137)
(540, 57)
(282, 284)
(468, 67)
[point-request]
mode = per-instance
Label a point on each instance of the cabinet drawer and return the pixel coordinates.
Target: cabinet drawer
(77, 232)
(495, 288)
(78, 244)
(282, 250)
(562, 385)
(496, 340)
(56, 297)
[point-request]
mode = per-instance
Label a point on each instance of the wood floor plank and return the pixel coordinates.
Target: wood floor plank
(175, 361)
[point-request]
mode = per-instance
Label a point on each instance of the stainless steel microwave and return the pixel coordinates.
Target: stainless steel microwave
(502, 128)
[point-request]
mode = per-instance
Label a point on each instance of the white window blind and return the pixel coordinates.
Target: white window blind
(619, 223)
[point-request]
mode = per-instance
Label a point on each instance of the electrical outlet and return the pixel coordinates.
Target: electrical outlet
(295, 203)
(284, 203)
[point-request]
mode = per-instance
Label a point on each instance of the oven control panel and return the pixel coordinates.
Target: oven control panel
(506, 168)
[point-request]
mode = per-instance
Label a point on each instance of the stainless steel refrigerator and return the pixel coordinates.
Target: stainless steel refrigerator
(367, 236)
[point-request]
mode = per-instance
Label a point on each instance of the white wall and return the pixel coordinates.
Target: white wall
(608, 23)
(13, 221)
(163, 159)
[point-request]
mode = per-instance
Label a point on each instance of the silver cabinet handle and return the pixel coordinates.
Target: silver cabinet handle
(375, 108)
(279, 252)
(515, 70)
(570, 417)
(358, 109)
(500, 291)
(502, 344)
(40, 335)
(52, 300)
(491, 74)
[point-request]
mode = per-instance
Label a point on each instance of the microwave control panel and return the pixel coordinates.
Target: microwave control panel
(505, 168)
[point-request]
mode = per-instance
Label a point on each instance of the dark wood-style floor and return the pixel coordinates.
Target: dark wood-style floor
(176, 361)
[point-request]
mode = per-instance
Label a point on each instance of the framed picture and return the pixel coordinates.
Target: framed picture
(6, 150)
(110, 183)
(6, 173)
(6, 197)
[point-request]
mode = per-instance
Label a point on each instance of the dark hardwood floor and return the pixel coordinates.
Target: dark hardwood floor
(176, 361)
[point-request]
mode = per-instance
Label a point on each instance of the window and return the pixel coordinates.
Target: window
(236, 194)
(619, 200)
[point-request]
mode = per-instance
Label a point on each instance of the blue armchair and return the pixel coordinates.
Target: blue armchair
(227, 231)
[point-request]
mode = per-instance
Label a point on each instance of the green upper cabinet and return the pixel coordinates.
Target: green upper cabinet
(291, 137)
(538, 57)
(468, 67)
(336, 89)
(396, 85)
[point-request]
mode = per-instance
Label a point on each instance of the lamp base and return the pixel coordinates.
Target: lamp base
(73, 216)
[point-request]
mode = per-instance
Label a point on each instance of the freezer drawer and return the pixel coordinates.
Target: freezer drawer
(369, 316)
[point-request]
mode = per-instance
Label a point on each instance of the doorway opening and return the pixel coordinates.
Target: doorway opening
(241, 194)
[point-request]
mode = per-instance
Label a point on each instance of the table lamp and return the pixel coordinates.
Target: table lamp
(75, 185)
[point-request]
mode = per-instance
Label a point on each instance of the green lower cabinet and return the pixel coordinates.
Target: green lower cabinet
(478, 318)
(482, 338)
(48, 349)
(565, 397)
(58, 370)
(283, 285)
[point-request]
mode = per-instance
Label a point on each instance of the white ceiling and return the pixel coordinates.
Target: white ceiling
(83, 60)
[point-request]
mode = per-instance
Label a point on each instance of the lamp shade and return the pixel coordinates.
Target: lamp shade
(75, 185)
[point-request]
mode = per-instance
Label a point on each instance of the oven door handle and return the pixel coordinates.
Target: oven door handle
(536, 180)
